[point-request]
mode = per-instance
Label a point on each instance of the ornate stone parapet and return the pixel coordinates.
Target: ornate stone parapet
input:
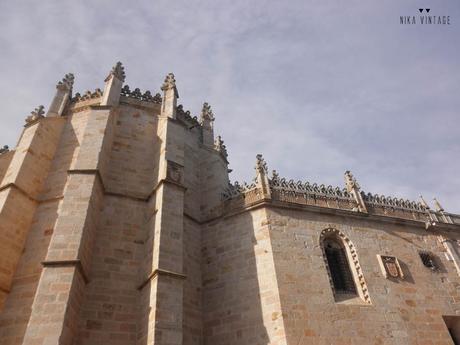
(455, 218)
(186, 118)
(305, 193)
(137, 94)
(395, 207)
(442, 215)
(35, 115)
(310, 194)
(392, 202)
(220, 147)
(88, 95)
(4, 149)
(238, 196)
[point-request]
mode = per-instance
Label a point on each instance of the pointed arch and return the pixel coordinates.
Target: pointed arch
(342, 264)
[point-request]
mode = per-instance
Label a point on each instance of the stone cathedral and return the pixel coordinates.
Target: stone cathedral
(118, 225)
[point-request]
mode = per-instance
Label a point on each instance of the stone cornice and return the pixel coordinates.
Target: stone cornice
(330, 211)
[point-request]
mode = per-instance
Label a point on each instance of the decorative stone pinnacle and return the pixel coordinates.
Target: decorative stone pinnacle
(424, 203)
(261, 179)
(438, 206)
(220, 147)
(170, 83)
(5, 149)
(352, 187)
(350, 181)
(36, 114)
(275, 176)
(261, 165)
(118, 71)
(67, 82)
(206, 113)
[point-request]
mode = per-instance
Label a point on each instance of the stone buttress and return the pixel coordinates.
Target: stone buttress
(97, 201)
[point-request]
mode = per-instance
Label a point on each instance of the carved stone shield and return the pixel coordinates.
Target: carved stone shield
(390, 266)
(392, 269)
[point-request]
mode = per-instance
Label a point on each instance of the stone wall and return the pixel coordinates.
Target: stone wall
(110, 311)
(407, 311)
(241, 303)
(5, 159)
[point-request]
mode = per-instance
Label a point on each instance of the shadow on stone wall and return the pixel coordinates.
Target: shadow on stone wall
(232, 309)
(16, 313)
(110, 311)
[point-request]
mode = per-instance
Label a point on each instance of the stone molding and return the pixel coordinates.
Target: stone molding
(353, 262)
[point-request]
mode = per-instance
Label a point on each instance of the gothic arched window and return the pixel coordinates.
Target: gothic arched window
(345, 273)
(339, 267)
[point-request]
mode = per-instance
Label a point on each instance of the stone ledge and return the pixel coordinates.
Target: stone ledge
(158, 272)
(19, 189)
(66, 263)
(332, 211)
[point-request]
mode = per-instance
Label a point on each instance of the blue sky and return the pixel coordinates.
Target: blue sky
(317, 87)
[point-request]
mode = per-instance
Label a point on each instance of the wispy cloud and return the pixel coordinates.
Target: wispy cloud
(318, 87)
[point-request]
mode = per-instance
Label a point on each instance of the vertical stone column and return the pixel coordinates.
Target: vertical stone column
(163, 286)
(20, 188)
(62, 96)
(65, 273)
(354, 189)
